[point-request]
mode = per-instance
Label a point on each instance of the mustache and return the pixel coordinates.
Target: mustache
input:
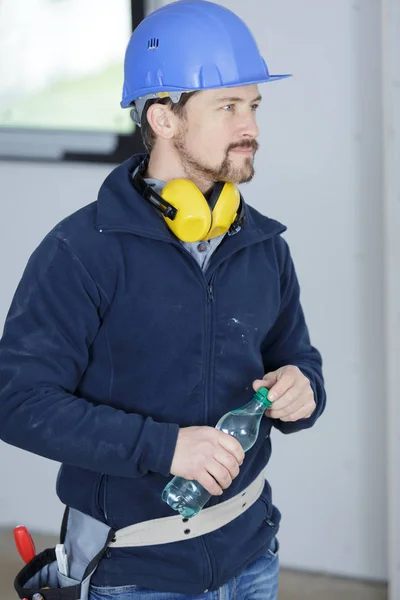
(249, 144)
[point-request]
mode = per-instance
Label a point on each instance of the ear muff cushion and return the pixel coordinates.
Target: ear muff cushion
(225, 210)
(193, 220)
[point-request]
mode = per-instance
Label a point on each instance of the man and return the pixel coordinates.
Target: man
(145, 316)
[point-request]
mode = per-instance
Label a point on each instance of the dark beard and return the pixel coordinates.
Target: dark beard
(226, 171)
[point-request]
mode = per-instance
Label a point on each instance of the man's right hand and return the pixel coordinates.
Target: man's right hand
(208, 456)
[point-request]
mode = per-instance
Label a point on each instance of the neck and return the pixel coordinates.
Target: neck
(166, 169)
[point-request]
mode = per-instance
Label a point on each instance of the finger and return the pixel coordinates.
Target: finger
(283, 414)
(285, 379)
(288, 410)
(220, 474)
(208, 482)
(287, 400)
(257, 384)
(270, 378)
(231, 445)
(267, 381)
(300, 394)
(303, 413)
(226, 459)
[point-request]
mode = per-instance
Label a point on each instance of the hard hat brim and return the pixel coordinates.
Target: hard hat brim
(127, 102)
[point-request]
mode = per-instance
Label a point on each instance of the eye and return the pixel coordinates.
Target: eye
(228, 107)
(254, 107)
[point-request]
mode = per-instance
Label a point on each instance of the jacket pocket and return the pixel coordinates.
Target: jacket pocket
(273, 549)
(266, 499)
(100, 498)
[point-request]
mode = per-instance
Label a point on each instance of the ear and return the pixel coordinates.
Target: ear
(162, 120)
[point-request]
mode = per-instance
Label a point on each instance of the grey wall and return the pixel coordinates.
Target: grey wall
(33, 198)
(391, 211)
(319, 171)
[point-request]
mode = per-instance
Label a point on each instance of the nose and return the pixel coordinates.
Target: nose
(249, 128)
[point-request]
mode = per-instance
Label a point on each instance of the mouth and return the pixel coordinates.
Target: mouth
(244, 151)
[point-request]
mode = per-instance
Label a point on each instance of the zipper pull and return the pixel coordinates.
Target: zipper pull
(210, 294)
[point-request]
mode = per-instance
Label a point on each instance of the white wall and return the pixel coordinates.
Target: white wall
(320, 172)
(33, 198)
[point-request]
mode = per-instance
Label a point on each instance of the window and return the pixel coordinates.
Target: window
(61, 74)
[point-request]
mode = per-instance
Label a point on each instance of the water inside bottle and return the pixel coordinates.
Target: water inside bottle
(185, 496)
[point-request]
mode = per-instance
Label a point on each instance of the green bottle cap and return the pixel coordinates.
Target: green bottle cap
(262, 395)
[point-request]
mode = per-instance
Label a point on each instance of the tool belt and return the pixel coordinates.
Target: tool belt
(86, 539)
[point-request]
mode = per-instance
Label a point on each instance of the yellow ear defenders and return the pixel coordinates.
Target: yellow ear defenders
(188, 213)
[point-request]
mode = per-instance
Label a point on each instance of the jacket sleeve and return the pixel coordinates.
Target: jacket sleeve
(54, 317)
(288, 341)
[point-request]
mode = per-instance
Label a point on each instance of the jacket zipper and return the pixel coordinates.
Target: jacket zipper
(208, 327)
(210, 293)
(208, 348)
(207, 388)
(210, 570)
(207, 369)
(210, 302)
(209, 314)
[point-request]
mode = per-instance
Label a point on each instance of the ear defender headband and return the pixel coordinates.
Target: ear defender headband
(188, 213)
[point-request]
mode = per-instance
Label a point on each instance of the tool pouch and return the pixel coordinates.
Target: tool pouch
(85, 540)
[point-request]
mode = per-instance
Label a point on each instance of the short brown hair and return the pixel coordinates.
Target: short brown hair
(178, 108)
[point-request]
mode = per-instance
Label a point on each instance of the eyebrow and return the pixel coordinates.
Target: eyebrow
(238, 99)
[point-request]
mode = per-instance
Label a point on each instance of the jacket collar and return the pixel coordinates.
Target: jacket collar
(120, 208)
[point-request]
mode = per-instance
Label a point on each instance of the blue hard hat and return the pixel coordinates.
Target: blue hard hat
(191, 45)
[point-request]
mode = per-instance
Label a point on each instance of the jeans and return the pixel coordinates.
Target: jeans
(259, 581)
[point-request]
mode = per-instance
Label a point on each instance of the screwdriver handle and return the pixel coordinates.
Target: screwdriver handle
(24, 543)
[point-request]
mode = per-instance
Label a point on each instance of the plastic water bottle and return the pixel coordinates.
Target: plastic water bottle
(187, 496)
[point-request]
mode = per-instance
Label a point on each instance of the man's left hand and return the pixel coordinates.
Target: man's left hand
(290, 392)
